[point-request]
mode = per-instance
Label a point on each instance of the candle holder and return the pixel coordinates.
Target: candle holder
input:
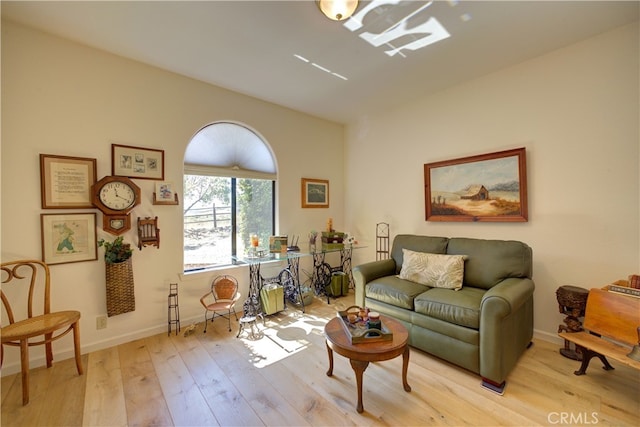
(254, 242)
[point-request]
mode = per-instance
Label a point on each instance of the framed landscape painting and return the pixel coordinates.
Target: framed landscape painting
(315, 193)
(486, 187)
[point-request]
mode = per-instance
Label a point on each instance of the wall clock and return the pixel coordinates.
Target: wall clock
(116, 224)
(115, 195)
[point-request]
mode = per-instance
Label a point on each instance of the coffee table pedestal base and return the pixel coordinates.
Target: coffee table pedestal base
(359, 366)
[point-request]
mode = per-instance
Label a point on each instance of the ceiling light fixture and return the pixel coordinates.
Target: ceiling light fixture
(338, 10)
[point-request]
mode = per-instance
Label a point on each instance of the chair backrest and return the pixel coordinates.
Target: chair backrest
(148, 232)
(224, 287)
(20, 273)
(613, 315)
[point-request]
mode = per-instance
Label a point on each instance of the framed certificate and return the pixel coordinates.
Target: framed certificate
(66, 182)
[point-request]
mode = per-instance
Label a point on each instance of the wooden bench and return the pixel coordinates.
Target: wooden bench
(611, 322)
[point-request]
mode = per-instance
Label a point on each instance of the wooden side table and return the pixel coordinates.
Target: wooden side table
(572, 302)
(360, 354)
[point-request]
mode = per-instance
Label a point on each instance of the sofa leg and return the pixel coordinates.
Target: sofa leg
(494, 386)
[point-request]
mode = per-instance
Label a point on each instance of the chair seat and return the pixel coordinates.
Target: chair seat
(33, 278)
(224, 292)
(220, 305)
(38, 325)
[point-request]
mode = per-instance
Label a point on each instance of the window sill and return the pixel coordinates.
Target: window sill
(199, 272)
(270, 266)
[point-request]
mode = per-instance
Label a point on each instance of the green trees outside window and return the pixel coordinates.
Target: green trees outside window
(220, 213)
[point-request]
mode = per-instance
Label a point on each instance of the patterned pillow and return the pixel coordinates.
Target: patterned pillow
(435, 270)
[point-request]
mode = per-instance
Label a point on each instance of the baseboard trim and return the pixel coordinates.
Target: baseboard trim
(548, 337)
(67, 353)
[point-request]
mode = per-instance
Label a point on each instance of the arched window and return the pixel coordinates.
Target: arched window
(229, 194)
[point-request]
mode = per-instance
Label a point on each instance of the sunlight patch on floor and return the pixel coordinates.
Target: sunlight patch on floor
(283, 335)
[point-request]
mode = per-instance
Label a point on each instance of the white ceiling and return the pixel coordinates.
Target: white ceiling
(249, 46)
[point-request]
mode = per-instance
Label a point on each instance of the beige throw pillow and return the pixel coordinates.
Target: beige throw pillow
(435, 270)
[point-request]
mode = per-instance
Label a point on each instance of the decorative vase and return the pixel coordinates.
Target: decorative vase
(120, 292)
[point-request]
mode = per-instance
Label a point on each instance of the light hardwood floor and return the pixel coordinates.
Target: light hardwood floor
(280, 380)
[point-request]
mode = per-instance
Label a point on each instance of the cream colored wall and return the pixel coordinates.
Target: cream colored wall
(62, 98)
(576, 110)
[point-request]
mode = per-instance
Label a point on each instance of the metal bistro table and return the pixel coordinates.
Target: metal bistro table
(322, 270)
(288, 278)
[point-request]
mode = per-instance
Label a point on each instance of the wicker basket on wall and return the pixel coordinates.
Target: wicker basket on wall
(120, 292)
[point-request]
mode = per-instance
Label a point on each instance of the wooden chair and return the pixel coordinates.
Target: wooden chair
(148, 232)
(20, 333)
(611, 321)
(224, 290)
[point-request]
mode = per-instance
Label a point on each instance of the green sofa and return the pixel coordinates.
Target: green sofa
(483, 327)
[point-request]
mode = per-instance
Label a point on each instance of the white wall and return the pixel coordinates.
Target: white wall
(62, 98)
(576, 110)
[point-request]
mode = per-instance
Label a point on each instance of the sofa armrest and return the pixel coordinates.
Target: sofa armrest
(365, 273)
(506, 326)
(506, 297)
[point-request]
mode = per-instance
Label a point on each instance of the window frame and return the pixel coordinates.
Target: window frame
(222, 152)
(202, 171)
(234, 221)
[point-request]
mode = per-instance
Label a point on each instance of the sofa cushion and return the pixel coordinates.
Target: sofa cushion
(434, 245)
(394, 291)
(491, 261)
(460, 308)
(435, 270)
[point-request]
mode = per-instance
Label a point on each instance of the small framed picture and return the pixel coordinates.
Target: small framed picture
(66, 182)
(165, 194)
(68, 237)
(137, 162)
(315, 193)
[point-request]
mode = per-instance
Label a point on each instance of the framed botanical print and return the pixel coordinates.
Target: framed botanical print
(68, 237)
(137, 162)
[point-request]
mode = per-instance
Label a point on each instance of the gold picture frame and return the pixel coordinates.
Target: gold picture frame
(315, 193)
(488, 187)
(65, 181)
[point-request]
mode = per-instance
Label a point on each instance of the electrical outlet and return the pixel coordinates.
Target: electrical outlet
(101, 322)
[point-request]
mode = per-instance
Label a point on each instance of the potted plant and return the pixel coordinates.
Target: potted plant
(119, 276)
(116, 251)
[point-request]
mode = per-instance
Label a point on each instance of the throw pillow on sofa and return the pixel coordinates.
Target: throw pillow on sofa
(434, 270)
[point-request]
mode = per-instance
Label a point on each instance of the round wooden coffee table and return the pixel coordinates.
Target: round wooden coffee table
(360, 354)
